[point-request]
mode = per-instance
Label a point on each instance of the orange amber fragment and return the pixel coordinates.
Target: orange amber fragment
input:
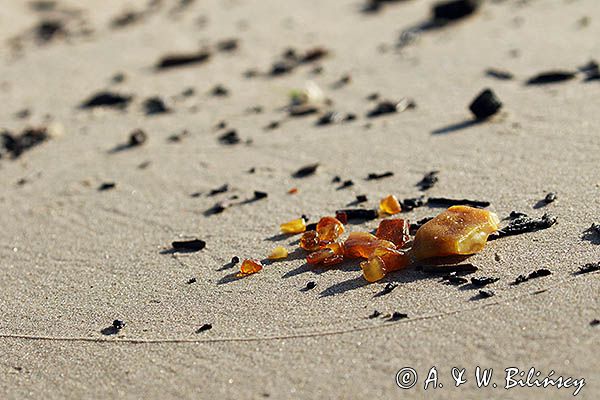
(373, 269)
(293, 190)
(363, 244)
(458, 230)
(310, 241)
(393, 260)
(319, 256)
(336, 259)
(278, 253)
(250, 267)
(337, 247)
(394, 230)
(390, 205)
(342, 217)
(329, 229)
(293, 226)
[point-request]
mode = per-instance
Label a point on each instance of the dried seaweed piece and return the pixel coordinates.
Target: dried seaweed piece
(306, 171)
(412, 203)
(591, 70)
(230, 137)
(428, 181)
(189, 245)
(397, 316)
(314, 54)
(375, 314)
(309, 286)
(499, 74)
(179, 60)
(454, 279)
(155, 105)
(258, 195)
(524, 224)
(454, 10)
(47, 30)
(118, 324)
(388, 107)
(328, 118)
(439, 269)
(595, 322)
(545, 78)
(228, 45)
(219, 91)
(485, 105)
(389, 287)
(361, 198)
(107, 186)
(485, 294)
(532, 275)
(588, 268)
(446, 202)
(414, 227)
(107, 99)
(15, 145)
(191, 280)
(483, 281)
(357, 214)
(221, 189)
(203, 328)
(375, 176)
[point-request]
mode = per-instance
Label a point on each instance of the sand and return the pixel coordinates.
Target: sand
(73, 258)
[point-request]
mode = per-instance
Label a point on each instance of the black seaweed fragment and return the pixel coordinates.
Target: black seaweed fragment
(47, 30)
(258, 195)
(453, 10)
(375, 176)
(549, 77)
(230, 137)
(592, 234)
(414, 227)
(107, 99)
(397, 316)
(361, 198)
(428, 181)
(189, 245)
(228, 45)
(346, 184)
(155, 105)
(309, 286)
(588, 268)
(485, 294)
(465, 268)
(305, 171)
(499, 74)
(107, 186)
(328, 118)
(524, 224)
(454, 279)
(221, 189)
(485, 105)
(389, 107)
(15, 145)
(387, 289)
(359, 213)
(375, 314)
(178, 60)
(204, 327)
(532, 275)
(595, 322)
(191, 280)
(591, 70)
(219, 91)
(372, 6)
(483, 281)
(445, 202)
(412, 203)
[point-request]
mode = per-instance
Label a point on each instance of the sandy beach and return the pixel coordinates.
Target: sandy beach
(74, 258)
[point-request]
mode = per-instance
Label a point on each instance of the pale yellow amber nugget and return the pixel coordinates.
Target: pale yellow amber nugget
(278, 253)
(373, 269)
(390, 205)
(460, 230)
(293, 226)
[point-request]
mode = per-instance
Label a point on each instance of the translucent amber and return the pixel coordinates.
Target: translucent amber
(390, 205)
(294, 226)
(250, 267)
(458, 230)
(373, 269)
(394, 230)
(337, 247)
(333, 260)
(329, 229)
(278, 253)
(310, 241)
(393, 260)
(363, 244)
(319, 256)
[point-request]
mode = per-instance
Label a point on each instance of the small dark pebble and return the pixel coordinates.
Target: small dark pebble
(428, 181)
(228, 45)
(107, 186)
(388, 107)
(373, 96)
(328, 118)
(436, 269)
(119, 77)
(349, 117)
(535, 274)
(190, 245)
(178, 60)
(499, 74)
(221, 125)
(137, 138)
(191, 280)
(397, 316)
(47, 30)
(260, 195)
(485, 294)
(588, 268)
(445, 202)
(118, 324)
(336, 179)
(272, 125)
(230, 137)
(358, 214)
(361, 198)
(221, 189)
(306, 171)
(302, 110)
(454, 279)
(219, 207)
(17, 144)
(485, 105)
(235, 260)
(107, 99)
(595, 322)
(219, 91)
(205, 327)
(550, 197)
(545, 78)
(483, 281)
(375, 176)
(310, 285)
(453, 10)
(155, 105)
(524, 224)
(282, 67)
(375, 314)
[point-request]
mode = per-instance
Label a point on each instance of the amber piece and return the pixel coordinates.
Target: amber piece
(458, 230)
(250, 267)
(394, 230)
(373, 269)
(293, 190)
(337, 247)
(310, 241)
(319, 256)
(390, 205)
(393, 260)
(329, 229)
(342, 217)
(278, 253)
(293, 226)
(336, 259)
(363, 244)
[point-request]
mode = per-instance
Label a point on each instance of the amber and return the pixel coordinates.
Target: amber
(294, 226)
(460, 230)
(393, 260)
(336, 259)
(363, 244)
(250, 267)
(278, 253)
(337, 247)
(342, 217)
(373, 269)
(390, 205)
(394, 230)
(329, 229)
(319, 256)
(293, 190)
(310, 241)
